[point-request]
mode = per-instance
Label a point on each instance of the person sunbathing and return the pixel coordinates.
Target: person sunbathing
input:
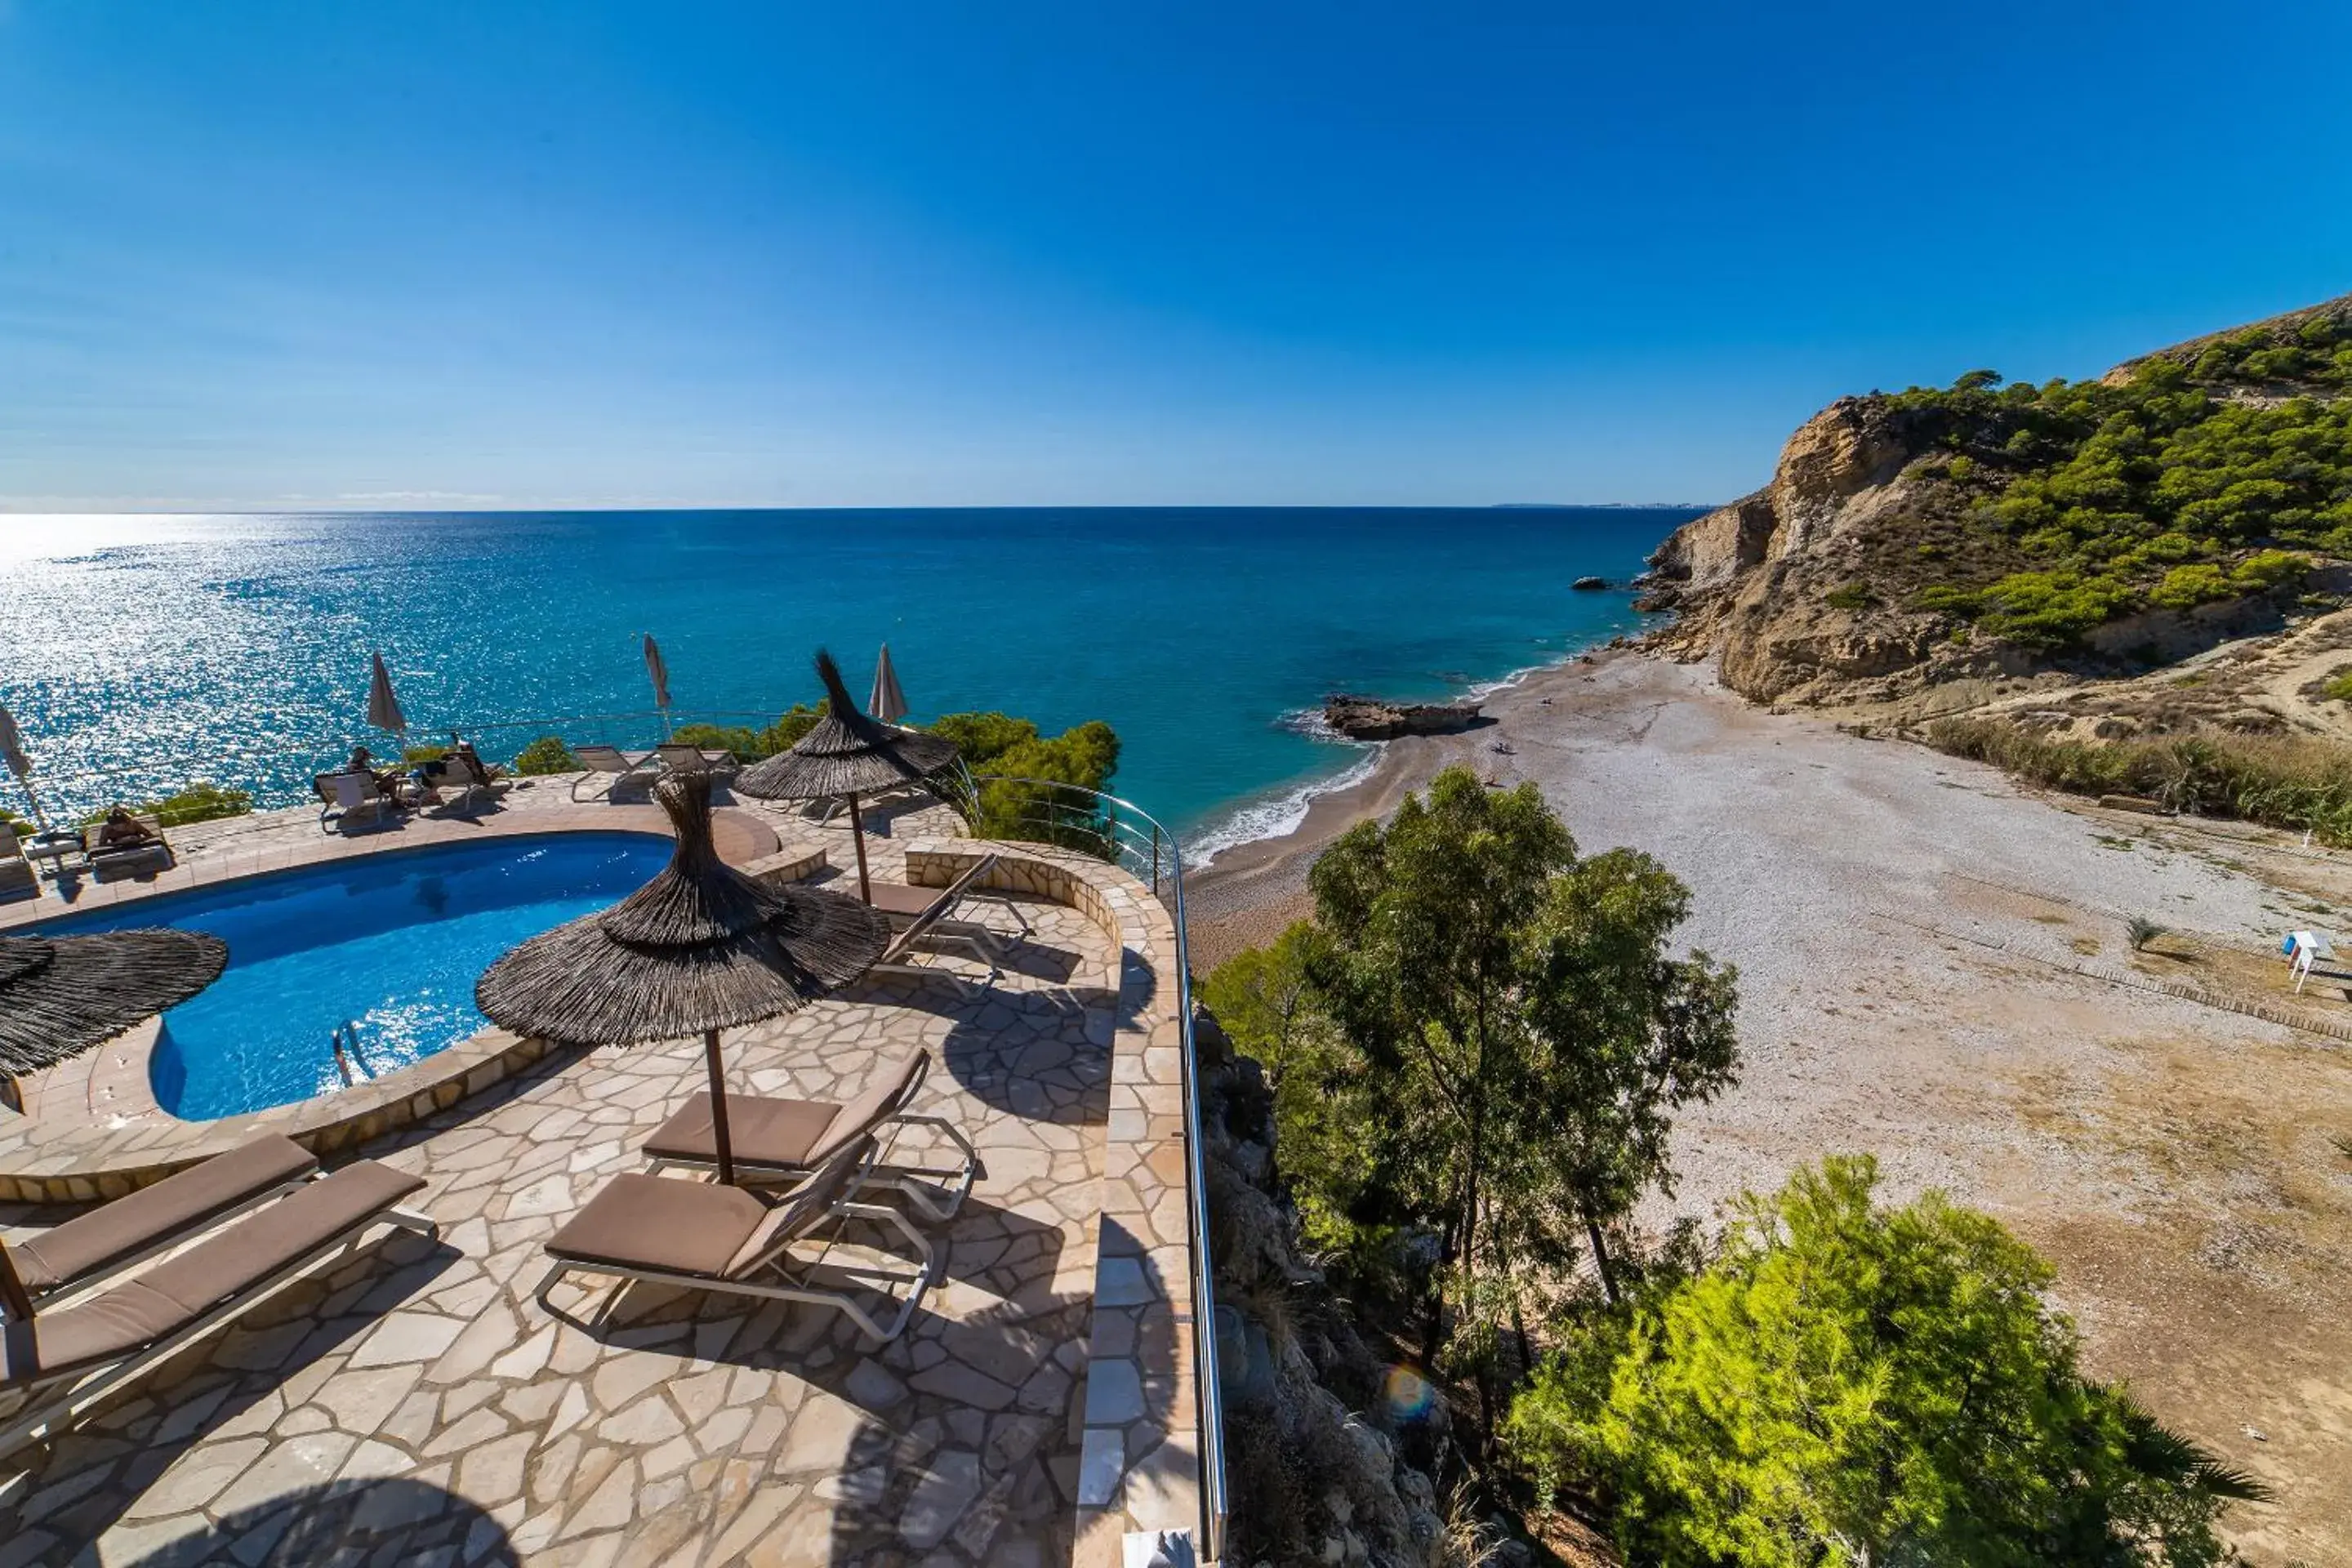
(124, 831)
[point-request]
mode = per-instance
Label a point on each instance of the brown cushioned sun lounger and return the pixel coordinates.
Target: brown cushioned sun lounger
(698, 1235)
(775, 1137)
(106, 1240)
(920, 915)
(68, 1358)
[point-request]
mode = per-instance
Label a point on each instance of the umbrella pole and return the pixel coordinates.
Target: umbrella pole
(718, 1107)
(40, 820)
(857, 836)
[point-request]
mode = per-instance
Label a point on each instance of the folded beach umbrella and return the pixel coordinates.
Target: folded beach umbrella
(383, 709)
(19, 763)
(699, 949)
(888, 704)
(660, 674)
(846, 754)
(59, 996)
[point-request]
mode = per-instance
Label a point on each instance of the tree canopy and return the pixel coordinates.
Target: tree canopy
(1480, 1040)
(1848, 1384)
(2181, 485)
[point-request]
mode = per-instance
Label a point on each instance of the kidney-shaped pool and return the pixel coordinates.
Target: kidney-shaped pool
(390, 943)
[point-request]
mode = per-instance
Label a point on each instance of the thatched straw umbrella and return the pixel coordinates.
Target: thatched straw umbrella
(698, 949)
(59, 996)
(846, 754)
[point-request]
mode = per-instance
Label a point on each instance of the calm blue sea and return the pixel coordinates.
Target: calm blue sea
(140, 652)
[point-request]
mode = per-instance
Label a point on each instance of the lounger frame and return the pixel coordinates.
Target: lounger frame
(934, 927)
(647, 766)
(113, 1273)
(774, 1280)
(919, 1183)
(45, 1415)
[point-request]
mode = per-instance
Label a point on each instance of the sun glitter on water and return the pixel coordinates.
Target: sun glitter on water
(1409, 1394)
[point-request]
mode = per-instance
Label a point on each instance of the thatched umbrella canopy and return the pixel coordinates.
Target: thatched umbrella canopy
(59, 996)
(850, 754)
(698, 949)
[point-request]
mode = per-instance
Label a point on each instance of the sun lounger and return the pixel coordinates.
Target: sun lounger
(613, 765)
(16, 878)
(462, 772)
(95, 1245)
(698, 1235)
(920, 915)
(682, 759)
(774, 1137)
(344, 793)
(102, 857)
(65, 1361)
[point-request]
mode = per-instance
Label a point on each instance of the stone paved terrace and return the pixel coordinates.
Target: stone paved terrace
(413, 1403)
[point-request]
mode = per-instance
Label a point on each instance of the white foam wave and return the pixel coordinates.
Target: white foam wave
(1279, 815)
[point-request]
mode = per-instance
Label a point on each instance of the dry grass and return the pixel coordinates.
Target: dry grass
(2286, 781)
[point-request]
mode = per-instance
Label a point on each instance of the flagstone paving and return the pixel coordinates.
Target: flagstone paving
(416, 1406)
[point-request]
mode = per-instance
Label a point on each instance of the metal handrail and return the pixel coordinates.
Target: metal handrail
(1120, 825)
(1124, 834)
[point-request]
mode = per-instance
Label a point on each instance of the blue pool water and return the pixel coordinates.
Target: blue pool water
(143, 651)
(390, 942)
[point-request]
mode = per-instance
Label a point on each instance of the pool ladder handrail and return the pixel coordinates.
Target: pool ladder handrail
(343, 1062)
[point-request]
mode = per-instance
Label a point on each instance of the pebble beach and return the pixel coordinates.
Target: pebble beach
(1934, 968)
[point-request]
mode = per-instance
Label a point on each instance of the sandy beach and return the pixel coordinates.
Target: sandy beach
(1933, 967)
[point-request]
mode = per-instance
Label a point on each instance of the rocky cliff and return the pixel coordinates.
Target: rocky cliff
(1321, 1470)
(1819, 588)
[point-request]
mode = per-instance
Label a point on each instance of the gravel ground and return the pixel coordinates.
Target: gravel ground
(1902, 923)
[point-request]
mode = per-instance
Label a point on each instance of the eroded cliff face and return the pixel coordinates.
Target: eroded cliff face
(1769, 581)
(1808, 592)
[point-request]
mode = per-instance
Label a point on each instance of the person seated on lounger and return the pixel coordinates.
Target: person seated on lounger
(120, 831)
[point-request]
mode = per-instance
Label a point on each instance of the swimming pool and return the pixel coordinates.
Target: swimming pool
(390, 943)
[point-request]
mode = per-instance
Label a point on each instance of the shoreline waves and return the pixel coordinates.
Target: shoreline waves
(1277, 815)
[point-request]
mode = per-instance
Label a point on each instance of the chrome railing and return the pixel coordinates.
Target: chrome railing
(1126, 835)
(1071, 815)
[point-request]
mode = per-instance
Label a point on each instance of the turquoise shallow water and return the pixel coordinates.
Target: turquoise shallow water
(138, 653)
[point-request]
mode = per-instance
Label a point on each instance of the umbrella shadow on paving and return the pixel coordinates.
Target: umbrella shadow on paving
(992, 1487)
(1028, 1054)
(137, 1435)
(910, 1437)
(344, 1521)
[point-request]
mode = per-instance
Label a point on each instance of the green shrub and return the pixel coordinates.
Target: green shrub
(196, 801)
(2186, 587)
(1052, 803)
(748, 746)
(548, 755)
(2339, 686)
(1850, 1385)
(423, 754)
(2153, 491)
(1849, 595)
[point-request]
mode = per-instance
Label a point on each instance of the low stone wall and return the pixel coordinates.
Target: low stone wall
(1139, 1466)
(74, 1161)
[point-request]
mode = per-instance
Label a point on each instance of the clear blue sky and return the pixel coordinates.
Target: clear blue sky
(271, 255)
